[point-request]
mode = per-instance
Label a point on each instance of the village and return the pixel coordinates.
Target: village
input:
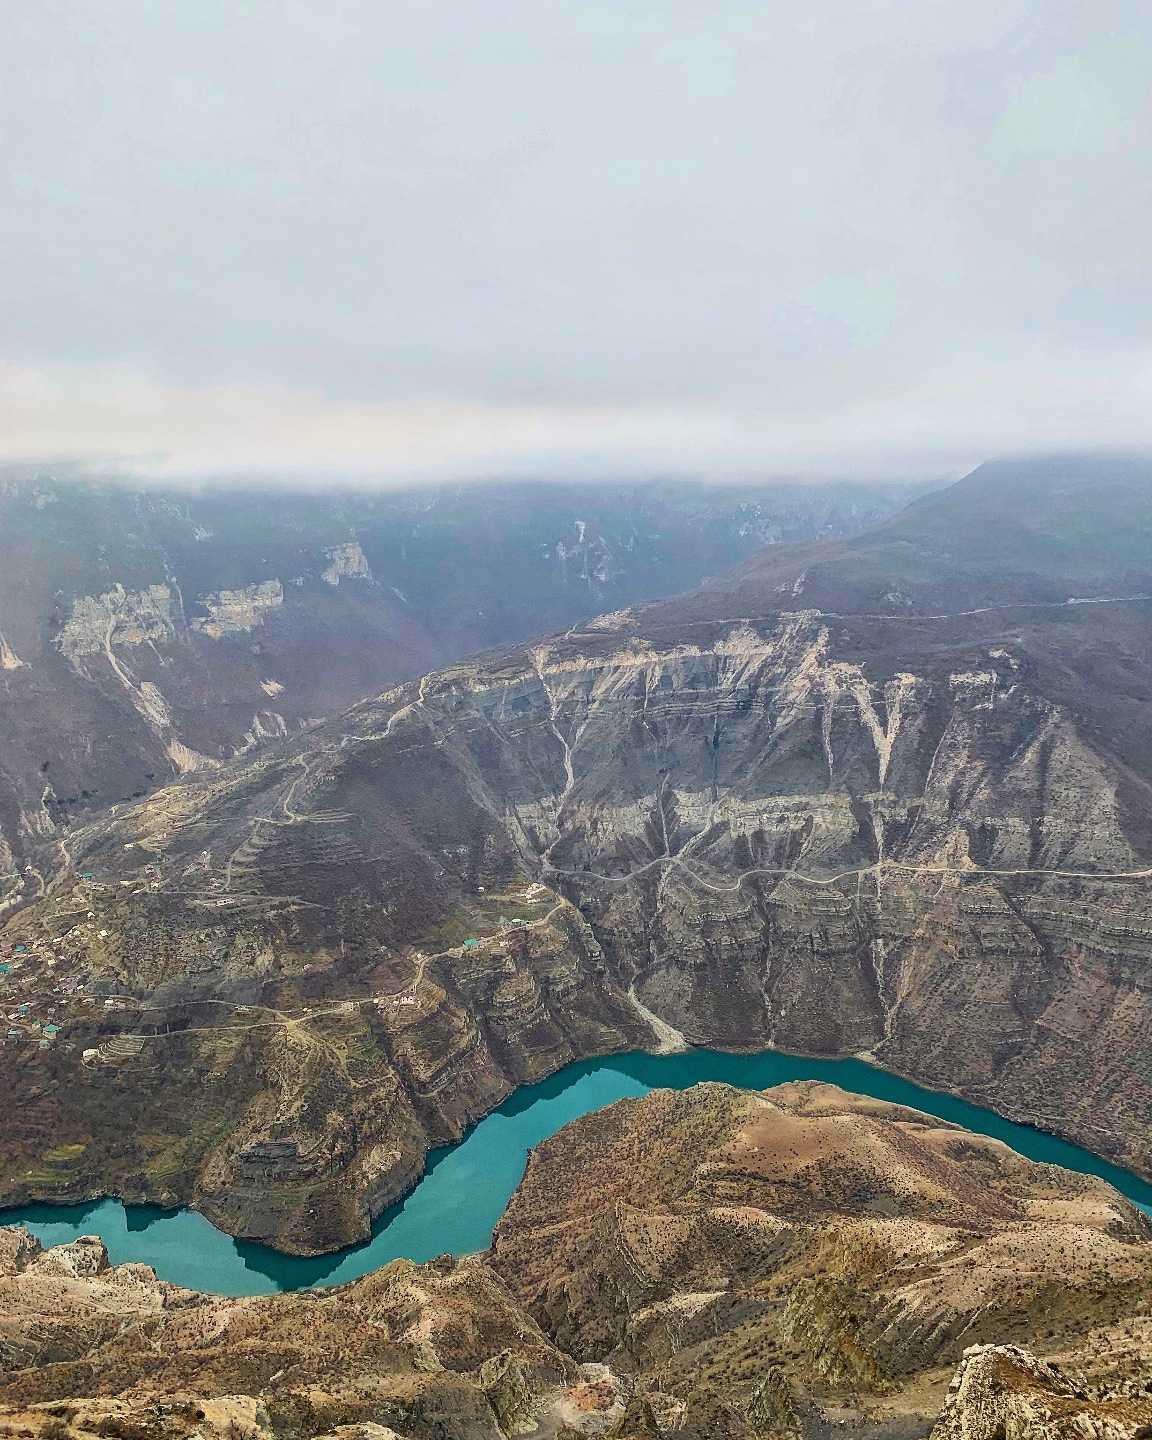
(40, 992)
(22, 974)
(44, 991)
(532, 896)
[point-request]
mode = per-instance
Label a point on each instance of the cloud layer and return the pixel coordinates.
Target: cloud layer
(853, 236)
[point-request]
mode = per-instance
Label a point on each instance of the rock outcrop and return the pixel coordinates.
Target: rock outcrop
(113, 1351)
(143, 633)
(1001, 1390)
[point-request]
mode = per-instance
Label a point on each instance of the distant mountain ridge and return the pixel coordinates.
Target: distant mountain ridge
(147, 634)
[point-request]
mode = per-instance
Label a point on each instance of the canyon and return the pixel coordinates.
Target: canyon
(147, 633)
(885, 795)
(700, 1264)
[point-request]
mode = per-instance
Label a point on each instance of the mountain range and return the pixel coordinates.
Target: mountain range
(146, 634)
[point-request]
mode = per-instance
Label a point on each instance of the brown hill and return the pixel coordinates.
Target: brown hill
(697, 1265)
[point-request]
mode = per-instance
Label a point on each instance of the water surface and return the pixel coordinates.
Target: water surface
(467, 1187)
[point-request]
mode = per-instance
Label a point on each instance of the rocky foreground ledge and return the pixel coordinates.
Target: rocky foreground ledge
(707, 1263)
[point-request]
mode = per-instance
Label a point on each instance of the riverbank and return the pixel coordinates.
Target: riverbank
(467, 1186)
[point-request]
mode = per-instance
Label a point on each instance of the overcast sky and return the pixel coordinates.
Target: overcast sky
(567, 237)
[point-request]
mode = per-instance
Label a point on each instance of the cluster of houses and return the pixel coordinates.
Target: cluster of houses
(516, 924)
(23, 1023)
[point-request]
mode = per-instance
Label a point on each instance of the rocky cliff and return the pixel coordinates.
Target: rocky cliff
(890, 794)
(146, 634)
(1003, 1390)
(697, 1265)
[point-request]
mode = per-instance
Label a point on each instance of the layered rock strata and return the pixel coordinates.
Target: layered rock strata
(146, 634)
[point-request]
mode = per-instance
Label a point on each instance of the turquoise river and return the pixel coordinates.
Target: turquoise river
(467, 1186)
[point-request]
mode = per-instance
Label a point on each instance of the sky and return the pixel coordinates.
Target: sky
(468, 238)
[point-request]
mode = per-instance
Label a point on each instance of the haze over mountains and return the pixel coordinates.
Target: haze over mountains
(424, 733)
(146, 634)
(889, 794)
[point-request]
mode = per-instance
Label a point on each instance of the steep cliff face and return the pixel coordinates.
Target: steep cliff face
(150, 634)
(828, 802)
(708, 1264)
(282, 1116)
